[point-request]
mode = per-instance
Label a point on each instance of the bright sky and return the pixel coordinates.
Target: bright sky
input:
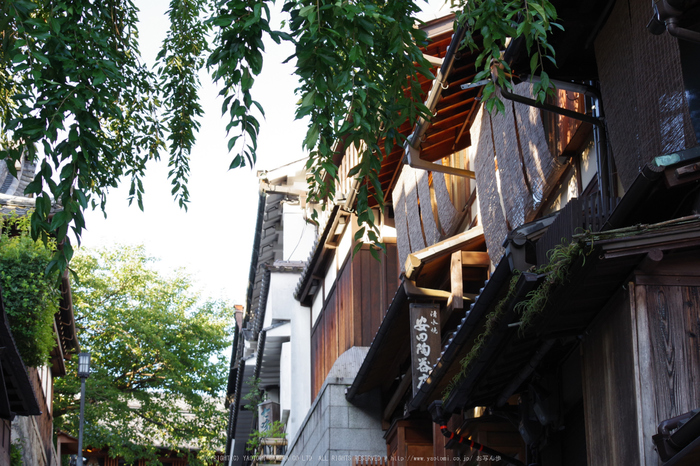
(213, 239)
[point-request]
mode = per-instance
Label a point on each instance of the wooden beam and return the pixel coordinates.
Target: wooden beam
(651, 260)
(456, 285)
(475, 259)
(415, 261)
(398, 395)
(414, 291)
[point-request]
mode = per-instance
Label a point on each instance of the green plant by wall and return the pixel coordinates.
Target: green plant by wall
(16, 453)
(556, 272)
(276, 430)
(255, 395)
(31, 296)
(492, 320)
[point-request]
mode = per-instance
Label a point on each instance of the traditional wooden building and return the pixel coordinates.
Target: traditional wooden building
(537, 302)
(580, 346)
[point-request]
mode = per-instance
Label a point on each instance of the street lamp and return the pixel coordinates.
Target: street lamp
(83, 373)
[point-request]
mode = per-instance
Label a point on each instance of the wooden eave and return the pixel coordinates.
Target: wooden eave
(64, 327)
(319, 259)
(68, 443)
(390, 348)
(572, 308)
(16, 390)
(452, 118)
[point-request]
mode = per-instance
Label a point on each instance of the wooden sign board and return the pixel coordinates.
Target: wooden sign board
(268, 413)
(425, 341)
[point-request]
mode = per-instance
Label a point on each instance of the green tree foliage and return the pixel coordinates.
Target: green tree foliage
(74, 92)
(157, 358)
(30, 296)
(359, 64)
(496, 21)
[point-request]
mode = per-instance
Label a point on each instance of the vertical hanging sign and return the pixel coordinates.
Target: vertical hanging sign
(425, 341)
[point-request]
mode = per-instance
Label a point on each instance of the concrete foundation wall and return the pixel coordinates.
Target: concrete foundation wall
(334, 430)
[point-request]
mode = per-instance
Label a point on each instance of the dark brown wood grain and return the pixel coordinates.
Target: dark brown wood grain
(366, 296)
(609, 387)
(672, 315)
(4, 441)
(353, 310)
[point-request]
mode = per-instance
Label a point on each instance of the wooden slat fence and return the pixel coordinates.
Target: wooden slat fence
(579, 215)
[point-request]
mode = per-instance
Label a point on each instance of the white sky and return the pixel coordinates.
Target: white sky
(213, 239)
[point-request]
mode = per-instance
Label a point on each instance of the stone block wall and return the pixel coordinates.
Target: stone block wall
(335, 431)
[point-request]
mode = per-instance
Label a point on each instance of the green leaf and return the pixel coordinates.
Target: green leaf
(308, 99)
(534, 62)
(232, 142)
(365, 38)
(538, 8)
(236, 162)
(312, 136)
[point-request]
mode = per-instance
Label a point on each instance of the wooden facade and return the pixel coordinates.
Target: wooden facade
(564, 134)
(44, 421)
(613, 351)
(642, 363)
(410, 443)
(353, 309)
(5, 431)
(608, 386)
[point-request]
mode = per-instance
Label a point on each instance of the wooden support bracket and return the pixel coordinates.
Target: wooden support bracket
(455, 301)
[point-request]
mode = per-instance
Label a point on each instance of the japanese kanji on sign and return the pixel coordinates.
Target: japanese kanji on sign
(425, 341)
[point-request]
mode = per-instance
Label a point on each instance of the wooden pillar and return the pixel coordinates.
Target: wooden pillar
(410, 443)
(456, 301)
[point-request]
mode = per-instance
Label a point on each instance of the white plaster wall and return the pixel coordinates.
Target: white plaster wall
(286, 377)
(344, 247)
(280, 300)
(316, 307)
(300, 372)
(331, 275)
(298, 235)
(295, 360)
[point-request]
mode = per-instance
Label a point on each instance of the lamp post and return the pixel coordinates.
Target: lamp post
(83, 373)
